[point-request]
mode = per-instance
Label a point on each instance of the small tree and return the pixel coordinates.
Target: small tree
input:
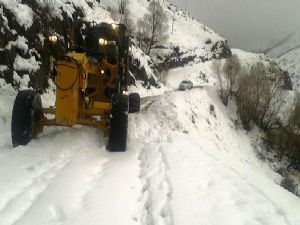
(231, 70)
(259, 98)
(113, 13)
(122, 6)
(292, 132)
(128, 21)
(294, 117)
(217, 68)
(244, 98)
(269, 105)
(227, 75)
(153, 27)
(163, 73)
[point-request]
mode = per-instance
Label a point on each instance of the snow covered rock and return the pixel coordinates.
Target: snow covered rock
(287, 55)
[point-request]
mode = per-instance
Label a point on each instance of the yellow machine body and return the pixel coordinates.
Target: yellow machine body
(90, 82)
(73, 78)
(86, 79)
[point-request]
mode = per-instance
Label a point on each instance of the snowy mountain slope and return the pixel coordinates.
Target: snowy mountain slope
(287, 55)
(286, 45)
(23, 55)
(290, 62)
(248, 59)
(186, 163)
(188, 42)
(24, 51)
(210, 173)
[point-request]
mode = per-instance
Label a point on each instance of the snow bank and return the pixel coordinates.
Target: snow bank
(193, 153)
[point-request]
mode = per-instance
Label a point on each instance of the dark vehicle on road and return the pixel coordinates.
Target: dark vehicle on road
(185, 84)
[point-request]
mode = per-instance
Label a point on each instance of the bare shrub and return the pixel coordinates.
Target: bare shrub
(127, 20)
(292, 131)
(113, 13)
(244, 97)
(47, 11)
(163, 73)
(294, 118)
(122, 6)
(231, 70)
(259, 99)
(227, 75)
(122, 14)
(152, 29)
(217, 68)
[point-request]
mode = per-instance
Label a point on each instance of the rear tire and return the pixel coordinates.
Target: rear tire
(26, 117)
(134, 103)
(118, 124)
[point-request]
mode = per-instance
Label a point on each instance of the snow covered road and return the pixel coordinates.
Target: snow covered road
(186, 164)
(67, 177)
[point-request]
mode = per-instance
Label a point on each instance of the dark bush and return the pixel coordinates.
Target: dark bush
(290, 185)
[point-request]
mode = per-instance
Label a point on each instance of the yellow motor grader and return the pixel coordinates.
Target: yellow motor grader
(91, 85)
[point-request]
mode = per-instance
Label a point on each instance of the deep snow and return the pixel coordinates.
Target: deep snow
(186, 163)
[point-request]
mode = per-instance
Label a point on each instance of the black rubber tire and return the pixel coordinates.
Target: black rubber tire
(26, 117)
(134, 103)
(118, 124)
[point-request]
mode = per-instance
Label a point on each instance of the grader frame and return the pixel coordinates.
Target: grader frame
(91, 82)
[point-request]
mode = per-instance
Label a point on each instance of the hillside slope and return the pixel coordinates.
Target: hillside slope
(186, 163)
(287, 55)
(188, 160)
(24, 52)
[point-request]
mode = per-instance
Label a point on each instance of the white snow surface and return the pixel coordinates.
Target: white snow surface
(30, 65)
(188, 33)
(22, 13)
(20, 43)
(186, 163)
(287, 55)
(290, 62)
(93, 9)
(248, 59)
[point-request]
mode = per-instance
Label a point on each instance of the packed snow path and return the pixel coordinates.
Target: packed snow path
(186, 163)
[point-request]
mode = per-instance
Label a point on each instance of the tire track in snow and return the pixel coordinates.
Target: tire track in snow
(17, 206)
(154, 206)
(70, 193)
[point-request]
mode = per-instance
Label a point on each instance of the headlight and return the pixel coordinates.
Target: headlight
(52, 38)
(114, 26)
(102, 41)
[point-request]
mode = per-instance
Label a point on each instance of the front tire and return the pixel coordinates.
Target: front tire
(118, 124)
(26, 117)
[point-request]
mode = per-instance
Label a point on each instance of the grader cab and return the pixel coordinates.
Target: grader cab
(91, 85)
